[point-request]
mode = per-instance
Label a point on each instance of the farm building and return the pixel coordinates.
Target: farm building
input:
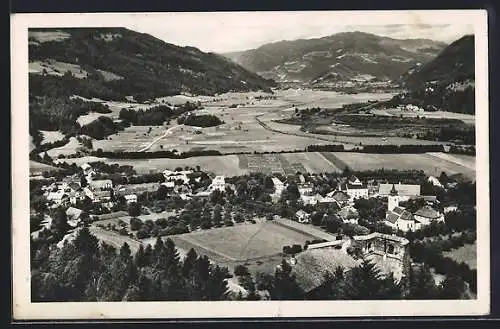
(172, 176)
(86, 168)
(74, 216)
(340, 197)
(278, 186)
(427, 214)
(305, 189)
(302, 216)
(57, 197)
(401, 219)
(168, 184)
(76, 196)
(311, 199)
(218, 183)
(131, 198)
(354, 188)
(101, 184)
(102, 196)
(435, 181)
(88, 171)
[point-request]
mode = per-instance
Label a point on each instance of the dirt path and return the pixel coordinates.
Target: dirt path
(167, 132)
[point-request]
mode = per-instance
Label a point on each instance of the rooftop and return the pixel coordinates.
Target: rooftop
(398, 210)
(101, 183)
(276, 181)
(428, 212)
(348, 186)
(403, 189)
(339, 196)
(375, 235)
(73, 212)
(392, 217)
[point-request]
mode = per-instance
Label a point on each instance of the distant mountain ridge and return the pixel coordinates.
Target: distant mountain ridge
(112, 63)
(342, 56)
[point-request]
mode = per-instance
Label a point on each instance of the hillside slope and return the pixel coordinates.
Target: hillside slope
(454, 63)
(446, 83)
(339, 57)
(112, 63)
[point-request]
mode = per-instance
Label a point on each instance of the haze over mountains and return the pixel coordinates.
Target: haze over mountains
(342, 56)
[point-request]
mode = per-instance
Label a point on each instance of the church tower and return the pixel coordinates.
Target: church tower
(393, 199)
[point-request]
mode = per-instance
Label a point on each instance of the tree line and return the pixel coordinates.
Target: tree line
(383, 149)
(202, 120)
(86, 270)
(431, 253)
(156, 115)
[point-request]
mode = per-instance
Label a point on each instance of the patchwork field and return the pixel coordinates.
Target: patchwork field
(241, 131)
(131, 139)
(313, 162)
(430, 164)
(466, 254)
(287, 163)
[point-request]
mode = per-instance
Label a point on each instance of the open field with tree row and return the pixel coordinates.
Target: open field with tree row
(314, 162)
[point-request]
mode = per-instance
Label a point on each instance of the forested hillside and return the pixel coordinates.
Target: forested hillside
(446, 83)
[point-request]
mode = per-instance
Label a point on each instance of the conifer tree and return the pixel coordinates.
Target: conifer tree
(285, 286)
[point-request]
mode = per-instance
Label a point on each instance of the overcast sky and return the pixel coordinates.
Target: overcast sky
(225, 32)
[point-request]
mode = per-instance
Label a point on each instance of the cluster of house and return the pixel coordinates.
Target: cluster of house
(73, 189)
(400, 218)
(70, 190)
(348, 191)
(410, 108)
(178, 182)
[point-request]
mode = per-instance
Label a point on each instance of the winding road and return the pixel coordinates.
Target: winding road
(167, 132)
(307, 135)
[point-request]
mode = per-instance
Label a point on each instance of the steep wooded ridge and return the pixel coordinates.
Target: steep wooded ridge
(454, 64)
(446, 83)
(342, 56)
(112, 63)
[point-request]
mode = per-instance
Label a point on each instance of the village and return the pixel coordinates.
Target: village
(318, 221)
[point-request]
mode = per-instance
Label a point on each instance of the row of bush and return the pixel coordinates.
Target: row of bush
(385, 149)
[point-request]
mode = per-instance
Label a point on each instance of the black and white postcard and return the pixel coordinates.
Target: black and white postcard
(250, 164)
